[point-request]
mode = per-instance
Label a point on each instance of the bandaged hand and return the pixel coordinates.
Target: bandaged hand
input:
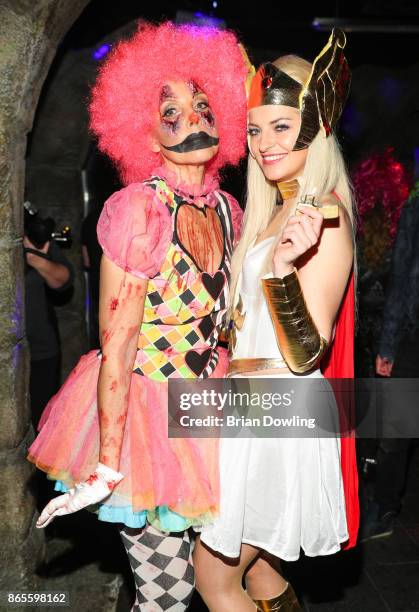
(95, 489)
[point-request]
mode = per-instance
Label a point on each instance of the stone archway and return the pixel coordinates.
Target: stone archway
(60, 145)
(30, 32)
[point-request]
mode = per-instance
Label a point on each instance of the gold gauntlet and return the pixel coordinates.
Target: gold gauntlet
(296, 333)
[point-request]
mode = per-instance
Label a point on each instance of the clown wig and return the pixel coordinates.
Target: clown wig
(126, 97)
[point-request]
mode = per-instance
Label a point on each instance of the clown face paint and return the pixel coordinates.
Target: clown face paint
(272, 133)
(186, 130)
(194, 142)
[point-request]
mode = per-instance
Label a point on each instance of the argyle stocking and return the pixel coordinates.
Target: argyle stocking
(162, 567)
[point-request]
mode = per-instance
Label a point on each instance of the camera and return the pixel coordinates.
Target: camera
(40, 230)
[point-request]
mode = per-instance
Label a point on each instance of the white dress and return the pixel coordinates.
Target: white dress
(278, 494)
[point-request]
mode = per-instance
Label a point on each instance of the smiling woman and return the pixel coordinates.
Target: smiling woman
(273, 131)
(292, 316)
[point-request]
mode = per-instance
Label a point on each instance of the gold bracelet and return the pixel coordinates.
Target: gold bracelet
(298, 338)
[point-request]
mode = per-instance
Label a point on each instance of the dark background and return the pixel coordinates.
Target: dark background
(382, 52)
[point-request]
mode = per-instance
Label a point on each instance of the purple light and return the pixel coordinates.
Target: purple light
(353, 121)
(101, 52)
(200, 19)
(416, 158)
(16, 355)
(18, 313)
(390, 90)
(208, 20)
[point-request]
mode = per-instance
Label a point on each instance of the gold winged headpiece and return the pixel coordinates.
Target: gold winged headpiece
(321, 99)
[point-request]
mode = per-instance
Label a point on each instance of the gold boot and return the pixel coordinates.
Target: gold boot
(286, 602)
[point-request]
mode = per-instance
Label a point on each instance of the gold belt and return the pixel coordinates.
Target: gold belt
(238, 366)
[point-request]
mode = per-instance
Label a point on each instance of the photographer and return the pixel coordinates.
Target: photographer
(47, 271)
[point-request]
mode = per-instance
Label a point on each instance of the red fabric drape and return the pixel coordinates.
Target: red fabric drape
(339, 363)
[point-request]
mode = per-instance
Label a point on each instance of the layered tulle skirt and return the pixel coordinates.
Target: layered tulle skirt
(172, 483)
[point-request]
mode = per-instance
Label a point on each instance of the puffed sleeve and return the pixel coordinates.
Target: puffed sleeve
(134, 230)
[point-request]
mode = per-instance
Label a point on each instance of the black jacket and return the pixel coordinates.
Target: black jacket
(401, 310)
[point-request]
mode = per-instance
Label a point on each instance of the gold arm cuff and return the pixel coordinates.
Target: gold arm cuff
(296, 333)
(240, 366)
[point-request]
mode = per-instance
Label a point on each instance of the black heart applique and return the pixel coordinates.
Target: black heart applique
(206, 326)
(197, 362)
(213, 284)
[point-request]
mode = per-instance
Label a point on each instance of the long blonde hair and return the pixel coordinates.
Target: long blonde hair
(324, 173)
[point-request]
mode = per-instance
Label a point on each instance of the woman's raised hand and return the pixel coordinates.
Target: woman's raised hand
(300, 234)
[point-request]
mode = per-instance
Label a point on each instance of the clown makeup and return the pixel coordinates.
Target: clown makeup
(272, 132)
(206, 114)
(186, 132)
(168, 112)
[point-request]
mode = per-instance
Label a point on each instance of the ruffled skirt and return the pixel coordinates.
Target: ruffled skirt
(172, 483)
(280, 494)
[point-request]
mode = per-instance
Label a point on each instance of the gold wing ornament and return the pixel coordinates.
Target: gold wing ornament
(329, 82)
(251, 70)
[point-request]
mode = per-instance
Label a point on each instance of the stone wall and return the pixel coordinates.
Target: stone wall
(30, 31)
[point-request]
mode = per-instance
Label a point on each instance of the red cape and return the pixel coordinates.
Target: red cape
(339, 363)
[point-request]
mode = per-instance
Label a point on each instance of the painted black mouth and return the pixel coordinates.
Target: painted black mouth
(193, 142)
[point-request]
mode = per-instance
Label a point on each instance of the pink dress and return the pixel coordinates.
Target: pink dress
(172, 483)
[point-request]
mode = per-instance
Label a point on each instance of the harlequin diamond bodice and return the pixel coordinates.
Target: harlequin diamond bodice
(185, 306)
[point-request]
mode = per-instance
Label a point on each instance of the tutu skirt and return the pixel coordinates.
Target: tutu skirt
(172, 483)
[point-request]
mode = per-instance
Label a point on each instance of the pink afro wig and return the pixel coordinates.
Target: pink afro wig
(125, 98)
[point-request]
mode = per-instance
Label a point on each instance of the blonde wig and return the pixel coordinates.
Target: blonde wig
(324, 173)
